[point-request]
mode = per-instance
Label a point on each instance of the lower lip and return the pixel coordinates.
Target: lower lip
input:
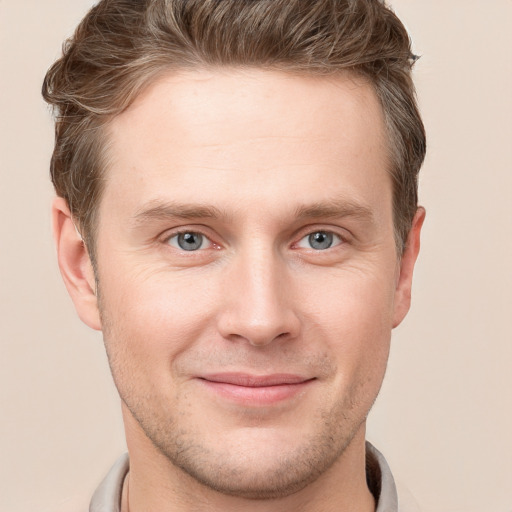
(256, 396)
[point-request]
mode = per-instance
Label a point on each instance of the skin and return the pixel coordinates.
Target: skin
(242, 159)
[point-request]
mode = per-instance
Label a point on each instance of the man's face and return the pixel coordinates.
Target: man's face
(247, 272)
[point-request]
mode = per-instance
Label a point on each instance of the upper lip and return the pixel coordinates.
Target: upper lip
(255, 381)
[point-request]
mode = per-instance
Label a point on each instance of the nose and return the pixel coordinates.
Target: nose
(258, 300)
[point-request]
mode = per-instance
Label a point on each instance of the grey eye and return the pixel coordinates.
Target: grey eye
(188, 241)
(321, 240)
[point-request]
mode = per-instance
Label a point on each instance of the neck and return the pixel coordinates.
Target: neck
(154, 483)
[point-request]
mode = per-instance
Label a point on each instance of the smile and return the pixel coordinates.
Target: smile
(252, 390)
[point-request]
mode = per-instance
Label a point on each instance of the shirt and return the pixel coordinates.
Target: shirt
(107, 497)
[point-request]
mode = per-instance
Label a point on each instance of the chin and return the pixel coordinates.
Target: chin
(259, 463)
(261, 480)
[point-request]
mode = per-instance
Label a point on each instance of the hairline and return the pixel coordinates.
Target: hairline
(102, 140)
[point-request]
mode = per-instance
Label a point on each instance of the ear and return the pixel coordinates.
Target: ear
(404, 279)
(75, 264)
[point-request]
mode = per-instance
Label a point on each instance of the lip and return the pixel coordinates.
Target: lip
(256, 390)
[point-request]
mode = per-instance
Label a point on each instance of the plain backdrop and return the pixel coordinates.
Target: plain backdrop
(444, 416)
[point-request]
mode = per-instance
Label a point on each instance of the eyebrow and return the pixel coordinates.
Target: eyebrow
(336, 209)
(160, 211)
(157, 211)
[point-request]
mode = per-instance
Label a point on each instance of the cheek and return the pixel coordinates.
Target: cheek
(354, 314)
(150, 318)
(358, 302)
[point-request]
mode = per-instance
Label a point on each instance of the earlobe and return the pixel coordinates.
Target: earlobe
(404, 281)
(75, 264)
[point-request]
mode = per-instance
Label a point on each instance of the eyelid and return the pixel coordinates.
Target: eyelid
(340, 240)
(343, 234)
(174, 233)
(204, 241)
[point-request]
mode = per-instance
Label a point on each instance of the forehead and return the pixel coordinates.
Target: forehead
(262, 102)
(204, 133)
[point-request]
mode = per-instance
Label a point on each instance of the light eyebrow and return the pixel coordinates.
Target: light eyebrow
(156, 210)
(336, 209)
(160, 211)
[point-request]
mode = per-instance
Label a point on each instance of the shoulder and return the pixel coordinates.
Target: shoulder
(107, 497)
(390, 496)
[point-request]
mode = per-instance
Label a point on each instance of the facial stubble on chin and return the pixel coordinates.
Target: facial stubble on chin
(234, 474)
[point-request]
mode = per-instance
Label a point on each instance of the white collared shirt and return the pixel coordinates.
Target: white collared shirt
(107, 497)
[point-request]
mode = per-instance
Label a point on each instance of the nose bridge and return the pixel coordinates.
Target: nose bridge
(259, 305)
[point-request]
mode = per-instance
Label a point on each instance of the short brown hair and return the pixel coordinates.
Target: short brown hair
(123, 45)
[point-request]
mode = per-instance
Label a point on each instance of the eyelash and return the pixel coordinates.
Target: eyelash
(334, 242)
(337, 240)
(177, 234)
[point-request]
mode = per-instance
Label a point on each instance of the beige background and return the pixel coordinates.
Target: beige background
(444, 417)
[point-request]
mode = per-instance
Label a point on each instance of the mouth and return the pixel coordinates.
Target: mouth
(256, 390)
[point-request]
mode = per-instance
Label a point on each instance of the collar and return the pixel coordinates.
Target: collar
(107, 497)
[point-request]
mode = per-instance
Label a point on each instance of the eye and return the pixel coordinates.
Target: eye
(320, 240)
(189, 241)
